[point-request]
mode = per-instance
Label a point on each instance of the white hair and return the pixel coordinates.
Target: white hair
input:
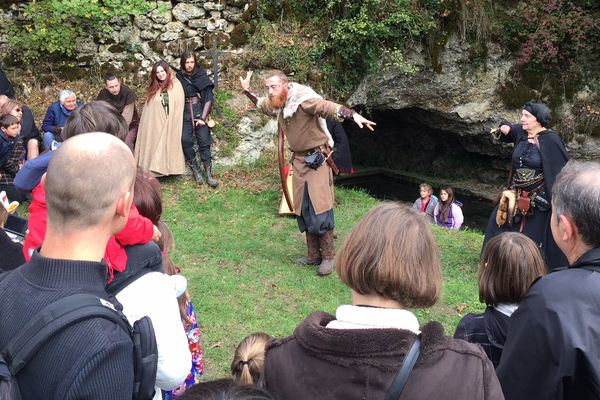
(64, 95)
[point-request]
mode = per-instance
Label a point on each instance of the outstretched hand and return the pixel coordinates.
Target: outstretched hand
(360, 121)
(245, 82)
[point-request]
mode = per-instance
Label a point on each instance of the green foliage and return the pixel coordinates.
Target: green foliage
(226, 129)
(51, 27)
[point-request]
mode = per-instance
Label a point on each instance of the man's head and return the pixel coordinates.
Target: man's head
(189, 62)
(89, 184)
(97, 116)
(9, 124)
(68, 100)
(278, 87)
(575, 216)
(112, 84)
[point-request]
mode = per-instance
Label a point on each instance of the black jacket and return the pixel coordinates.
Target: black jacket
(5, 86)
(553, 345)
(487, 330)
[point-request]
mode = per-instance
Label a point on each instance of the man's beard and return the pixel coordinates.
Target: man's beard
(278, 101)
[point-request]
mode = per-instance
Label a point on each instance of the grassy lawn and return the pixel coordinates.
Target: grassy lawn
(236, 253)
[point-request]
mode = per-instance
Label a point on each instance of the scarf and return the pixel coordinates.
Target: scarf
(356, 317)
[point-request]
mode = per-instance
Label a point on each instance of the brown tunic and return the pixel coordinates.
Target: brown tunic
(303, 132)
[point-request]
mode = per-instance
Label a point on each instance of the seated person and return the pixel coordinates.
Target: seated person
(510, 263)
(448, 212)
(30, 134)
(426, 202)
(11, 156)
(56, 117)
(390, 262)
(11, 255)
(123, 99)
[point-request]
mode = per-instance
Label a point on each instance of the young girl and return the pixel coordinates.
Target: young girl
(249, 359)
(426, 202)
(448, 211)
(509, 264)
(188, 317)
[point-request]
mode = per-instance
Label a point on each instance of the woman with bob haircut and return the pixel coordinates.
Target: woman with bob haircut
(510, 263)
(158, 146)
(391, 264)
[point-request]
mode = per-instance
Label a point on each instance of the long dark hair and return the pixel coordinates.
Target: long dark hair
(446, 206)
(155, 85)
(184, 56)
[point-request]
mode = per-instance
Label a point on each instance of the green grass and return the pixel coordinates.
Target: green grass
(236, 253)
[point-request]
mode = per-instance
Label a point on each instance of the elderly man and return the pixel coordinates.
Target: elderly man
(553, 348)
(57, 115)
(301, 115)
(123, 99)
(92, 359)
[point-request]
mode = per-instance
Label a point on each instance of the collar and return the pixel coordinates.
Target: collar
(357, 317)
(297, 95)
(507, 309)
(58, 273)
(592, 257)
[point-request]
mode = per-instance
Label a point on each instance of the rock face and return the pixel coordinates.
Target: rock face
(439, 122)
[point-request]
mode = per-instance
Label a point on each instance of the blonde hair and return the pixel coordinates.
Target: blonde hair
(427, 187)
(249, 359)
(392, 253)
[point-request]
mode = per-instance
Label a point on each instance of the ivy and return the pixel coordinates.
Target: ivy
(51, 27)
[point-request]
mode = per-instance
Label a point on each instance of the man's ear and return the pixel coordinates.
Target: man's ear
(43, 181)
(123, 204)
(568, 229)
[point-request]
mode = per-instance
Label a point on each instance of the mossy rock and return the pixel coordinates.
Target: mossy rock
(240, 34)
(515, 94)
(132, 66)
(117, 48)
(250, 13)
(157, 45)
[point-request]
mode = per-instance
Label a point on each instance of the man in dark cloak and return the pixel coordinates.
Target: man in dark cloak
(123, 99)
(5, 86)
(199, 99)
(552, 349)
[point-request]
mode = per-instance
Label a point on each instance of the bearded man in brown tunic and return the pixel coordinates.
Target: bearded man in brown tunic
(301, 115)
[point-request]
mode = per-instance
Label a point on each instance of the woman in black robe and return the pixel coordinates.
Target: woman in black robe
(538, 156)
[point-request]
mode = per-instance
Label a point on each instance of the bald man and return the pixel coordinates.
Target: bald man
(92, 359)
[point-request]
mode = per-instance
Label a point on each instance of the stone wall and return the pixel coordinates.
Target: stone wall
(164, 33)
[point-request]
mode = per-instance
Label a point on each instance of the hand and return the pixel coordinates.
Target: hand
(200, 122)
(360, 121)
(245, 82)
(504, 129)
(156, 234)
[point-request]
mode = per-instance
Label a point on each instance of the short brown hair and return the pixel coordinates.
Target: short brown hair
(96, 116)
(392, 252)
(427, 187)
(249, 358)
(275, 72)
(147, 196)
(510, 262)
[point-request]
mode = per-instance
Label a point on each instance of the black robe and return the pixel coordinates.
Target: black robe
(198, 82)
(537, 226)
(552, 349)
(5, 86)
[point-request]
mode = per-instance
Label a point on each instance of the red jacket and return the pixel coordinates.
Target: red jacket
(138, 230)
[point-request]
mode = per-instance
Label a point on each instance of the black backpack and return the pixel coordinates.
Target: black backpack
(68, 311)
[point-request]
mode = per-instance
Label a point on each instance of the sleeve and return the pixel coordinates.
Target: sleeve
(28, 128)
(554, 158)
(461, 329)
(128, 113)
(458, 216)
(30, 175)
(48, 124)
(108, 375)
(207, 94)
(153, 295)
(516, 130)
(530, 364)
(436, 211)
(138, 230)
(321, 108)
(416, 205)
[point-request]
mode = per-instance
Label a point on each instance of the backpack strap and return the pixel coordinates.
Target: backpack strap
(407, 367)
(54, 318)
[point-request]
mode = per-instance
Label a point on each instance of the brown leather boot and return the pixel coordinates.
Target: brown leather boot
(313, 255)
(327, 252)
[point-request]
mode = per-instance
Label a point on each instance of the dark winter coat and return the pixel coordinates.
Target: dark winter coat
(487, 330)
(553, 346)
(56, 117)
(324, 363)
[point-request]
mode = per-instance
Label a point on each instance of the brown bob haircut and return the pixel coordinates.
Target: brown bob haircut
(392, 253)
(147, 196)
(510, 262)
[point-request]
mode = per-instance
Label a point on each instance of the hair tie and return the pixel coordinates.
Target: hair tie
(245, 362)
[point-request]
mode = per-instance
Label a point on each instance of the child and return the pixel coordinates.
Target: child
(188, 317)
(10, 252)
(448, 211)
(11, 155)
(509, 264)
(249, 359)
(426, 202)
